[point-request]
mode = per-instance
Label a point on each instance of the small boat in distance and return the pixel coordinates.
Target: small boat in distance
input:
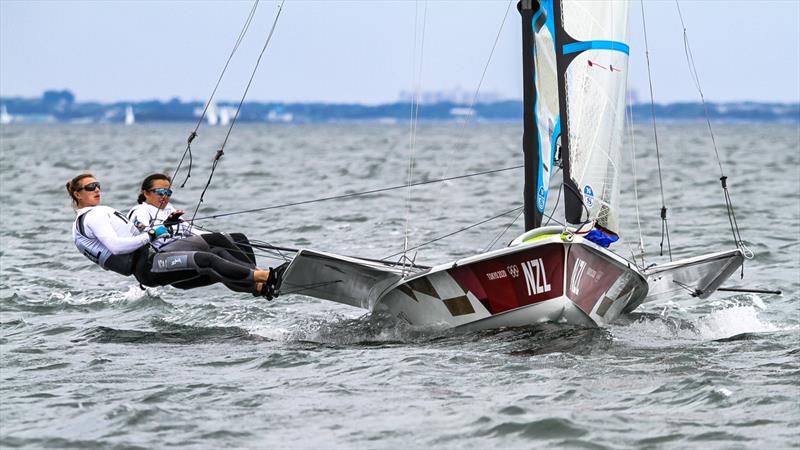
(130, 119)
(5, 117)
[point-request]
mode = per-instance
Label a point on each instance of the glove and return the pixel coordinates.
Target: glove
(174, 218)
(157, 232)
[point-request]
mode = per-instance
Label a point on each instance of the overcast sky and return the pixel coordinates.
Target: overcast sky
(362, 51)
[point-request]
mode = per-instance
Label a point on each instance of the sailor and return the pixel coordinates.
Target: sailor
(154, 208)
(109, 239)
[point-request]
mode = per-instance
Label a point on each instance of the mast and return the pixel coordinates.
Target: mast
(530, 136)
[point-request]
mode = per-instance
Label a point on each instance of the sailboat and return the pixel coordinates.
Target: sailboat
(5, 117)
(130, 119)
(575, 64)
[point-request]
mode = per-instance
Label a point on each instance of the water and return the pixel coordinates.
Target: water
(90, 360)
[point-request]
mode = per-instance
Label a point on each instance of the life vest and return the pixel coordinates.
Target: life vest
(123, 264)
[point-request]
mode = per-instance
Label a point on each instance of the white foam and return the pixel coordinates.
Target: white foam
(728, 317)
(731, 321)
(724, 392)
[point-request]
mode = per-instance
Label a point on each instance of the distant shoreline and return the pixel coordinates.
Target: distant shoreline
(61, 107)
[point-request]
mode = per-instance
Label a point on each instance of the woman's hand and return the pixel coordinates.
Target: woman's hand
(174, 218)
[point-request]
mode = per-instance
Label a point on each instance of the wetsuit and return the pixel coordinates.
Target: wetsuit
(110, 240)
(145, 215)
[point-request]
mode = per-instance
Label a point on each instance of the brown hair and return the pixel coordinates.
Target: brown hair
(147, 184)
(74, 184)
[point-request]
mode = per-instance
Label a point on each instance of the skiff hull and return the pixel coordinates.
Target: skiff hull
(550, 279)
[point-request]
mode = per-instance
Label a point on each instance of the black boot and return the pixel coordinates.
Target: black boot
(272, 286)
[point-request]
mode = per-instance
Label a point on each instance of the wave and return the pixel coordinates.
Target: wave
(167, 333)
(60, 301)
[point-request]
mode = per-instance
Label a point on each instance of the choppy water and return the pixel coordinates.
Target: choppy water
(88, 359)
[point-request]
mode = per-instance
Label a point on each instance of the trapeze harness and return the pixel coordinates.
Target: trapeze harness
(110, 240)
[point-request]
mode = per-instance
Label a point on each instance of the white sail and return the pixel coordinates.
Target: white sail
(211, 114)
(595, 85)
(5, 117)
(130, 119)
(224, 116)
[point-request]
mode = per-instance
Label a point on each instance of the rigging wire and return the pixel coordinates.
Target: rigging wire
(193, 134)
(474, 100)
(629, 114)
(737, 237)
(356, 194)
(221, 151)
(505, 230)
(417, 79)
(455, 232)
(664, 224)
(549, 216)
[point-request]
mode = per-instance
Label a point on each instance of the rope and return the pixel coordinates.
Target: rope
(221, 151)
(737, 237)
(455, 232)
(664, 225)
(355, 194)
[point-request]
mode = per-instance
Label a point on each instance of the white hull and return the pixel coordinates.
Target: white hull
(551, 279)
(698, 277)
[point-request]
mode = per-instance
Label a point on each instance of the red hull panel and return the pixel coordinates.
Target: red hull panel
(516, 280)
(589, 277)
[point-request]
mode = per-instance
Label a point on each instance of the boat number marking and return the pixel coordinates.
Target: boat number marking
(535, 276)
(577, 273)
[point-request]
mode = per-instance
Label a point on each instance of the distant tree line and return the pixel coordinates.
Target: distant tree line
(61, 106)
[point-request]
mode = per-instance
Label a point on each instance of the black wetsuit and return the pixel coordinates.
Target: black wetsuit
(108, 239)
(200, 261)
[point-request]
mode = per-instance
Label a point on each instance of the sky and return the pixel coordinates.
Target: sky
(364, 51)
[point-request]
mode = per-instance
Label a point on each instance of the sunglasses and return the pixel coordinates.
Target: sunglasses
(162, 191)
(89, 187)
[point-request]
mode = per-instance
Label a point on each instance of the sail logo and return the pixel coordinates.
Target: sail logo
(513, 271)
(535, 276)
(540, 198)
(588, 195)
(577, 274)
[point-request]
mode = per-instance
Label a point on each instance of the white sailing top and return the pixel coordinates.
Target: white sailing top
(143, 214)
(105, 232)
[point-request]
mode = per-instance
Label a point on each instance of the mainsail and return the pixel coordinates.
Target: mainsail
(593, 68)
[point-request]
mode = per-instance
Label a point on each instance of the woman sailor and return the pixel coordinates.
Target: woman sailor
(155, 209)
(109, 239)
